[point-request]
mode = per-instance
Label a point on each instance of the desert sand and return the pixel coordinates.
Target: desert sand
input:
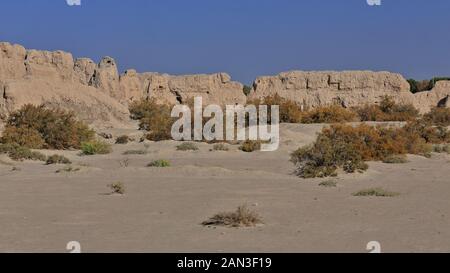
(162, 209)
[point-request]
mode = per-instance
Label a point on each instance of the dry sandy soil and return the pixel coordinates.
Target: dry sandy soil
(161, 211)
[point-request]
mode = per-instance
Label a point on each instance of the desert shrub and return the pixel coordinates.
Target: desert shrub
(328, 114)
(117, 188)
(187, 146)
(242, 217)
(441, 148)
(347, 147)
(331, 183)
(135, 152)
(23, 136)
(95, 147)
(395, 159)
(247, 89)
(378, 192)
(57, 159)
(388, 110)
(424, 85)
(249, 146)
(123, 139)
(220, 147)
(57, 128)
(161, 163)
(19, 153)
(153, 117)
(438, 116)
(422, 131)
(290, 111)
(68, 169)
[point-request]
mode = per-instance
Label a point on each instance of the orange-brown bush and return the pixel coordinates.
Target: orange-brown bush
(328, 114)
(153, 117)
(290, 111)
(347, 147)
(388, 110)
(438, 116)
(57, 128)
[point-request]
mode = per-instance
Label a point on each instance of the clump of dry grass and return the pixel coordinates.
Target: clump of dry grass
(331, 183)
(220, 147)
(123, 139)
(378, 192)
(395, 159)
(439, 116)
(329, 114)
(187, 146)
(249, 146)
(242, 217)
(57, 159)
(387, 110)
(117, 188)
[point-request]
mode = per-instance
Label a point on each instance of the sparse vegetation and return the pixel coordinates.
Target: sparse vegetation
(247, 89)
(424, 85)
(388, 110)
(242, 217)
(220, 147)
(161, 163)
(68, 169)
(441, 148)
(19, 153)
(57, 159)
(123, 139)
(439, 116)
(135, 152)
(331, 183)
(290, 111)
(347, 147)
(117, 188)
(249, 146)
(378, 192)
(395, 159)
(37, 127)
(153, 117)
(95, 147)
(329, 114)
(187, 146)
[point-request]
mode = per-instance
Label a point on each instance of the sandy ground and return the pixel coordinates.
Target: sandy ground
(41, 210)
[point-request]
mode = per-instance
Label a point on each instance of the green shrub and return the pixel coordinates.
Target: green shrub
(250, 146)
(242, 217)
(19, 153)
(57, 128)
(124, 139)
(187, 146)
(247, 89)
(161, 163)
(378, 192)
(58, 159)
(95, 147)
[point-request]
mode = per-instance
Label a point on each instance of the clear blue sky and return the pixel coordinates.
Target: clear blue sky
(245, 38)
